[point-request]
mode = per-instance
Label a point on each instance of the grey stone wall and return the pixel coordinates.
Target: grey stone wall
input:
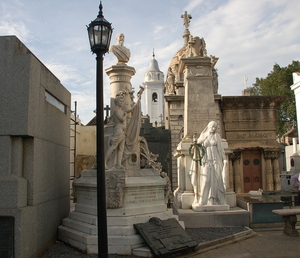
(34, 147)
(174, 122)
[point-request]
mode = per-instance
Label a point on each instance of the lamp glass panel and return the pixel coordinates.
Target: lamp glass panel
(91, 36)
(104, 36)
(97, 33)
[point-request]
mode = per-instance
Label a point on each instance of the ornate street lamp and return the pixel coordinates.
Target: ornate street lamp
(100, 32)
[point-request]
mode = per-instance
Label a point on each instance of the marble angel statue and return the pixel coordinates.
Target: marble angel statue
(208, 172)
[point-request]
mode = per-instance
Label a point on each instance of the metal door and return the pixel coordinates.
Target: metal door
(252, 173)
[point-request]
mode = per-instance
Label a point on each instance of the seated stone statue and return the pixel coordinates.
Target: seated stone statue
(122, 53)
(207, 177)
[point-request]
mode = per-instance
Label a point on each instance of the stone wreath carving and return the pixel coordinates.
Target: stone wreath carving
(114, 190)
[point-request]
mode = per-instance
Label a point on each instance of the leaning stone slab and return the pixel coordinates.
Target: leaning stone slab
(165, 236)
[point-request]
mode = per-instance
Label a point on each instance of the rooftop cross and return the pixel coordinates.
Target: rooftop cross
(107, 108)
(186, 19)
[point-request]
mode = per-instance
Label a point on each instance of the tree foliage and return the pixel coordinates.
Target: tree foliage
(278, 83)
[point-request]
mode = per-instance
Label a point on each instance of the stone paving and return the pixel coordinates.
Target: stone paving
(267, 244)
(273, 244)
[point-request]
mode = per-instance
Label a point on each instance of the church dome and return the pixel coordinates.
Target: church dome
(154, 74)
(176, 58)
(153, 67)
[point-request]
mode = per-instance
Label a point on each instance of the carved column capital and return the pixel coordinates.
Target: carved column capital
(235, 155)
(271, 154)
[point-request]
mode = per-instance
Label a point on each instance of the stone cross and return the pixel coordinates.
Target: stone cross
(186, 19)
(107, 108)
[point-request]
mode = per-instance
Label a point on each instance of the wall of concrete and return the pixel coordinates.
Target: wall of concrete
(34, 148)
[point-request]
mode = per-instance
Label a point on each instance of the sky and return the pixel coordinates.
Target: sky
(248, 37)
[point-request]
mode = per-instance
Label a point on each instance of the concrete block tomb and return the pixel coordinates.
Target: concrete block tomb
(34, 152)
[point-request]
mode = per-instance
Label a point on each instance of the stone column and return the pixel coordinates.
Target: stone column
(269, 171)
(236, 157)
(184, 195)
(230, 194)
(276, 174)
(296, 88)
(230, 171)
(272, 169)
(120, 76)
(181, 180)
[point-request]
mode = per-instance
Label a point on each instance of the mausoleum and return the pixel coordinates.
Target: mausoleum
(247, 124)
(35, 152)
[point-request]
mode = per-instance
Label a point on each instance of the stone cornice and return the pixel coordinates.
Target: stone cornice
(194, 61)
(120, 69)
(252, 102)
(170, 98)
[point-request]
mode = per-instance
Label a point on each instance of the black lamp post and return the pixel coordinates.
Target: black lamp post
(100, 32)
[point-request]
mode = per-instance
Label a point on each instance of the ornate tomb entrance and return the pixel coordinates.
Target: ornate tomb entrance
(252, 173)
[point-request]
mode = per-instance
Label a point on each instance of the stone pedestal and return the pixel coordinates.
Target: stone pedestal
(290, 226)
(199, 102)
(135, 200)
(184, 194)
(120, 76)
(235, 217)
(196, 207)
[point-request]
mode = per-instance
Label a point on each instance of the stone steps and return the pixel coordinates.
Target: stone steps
(80, 226)
(82, 241)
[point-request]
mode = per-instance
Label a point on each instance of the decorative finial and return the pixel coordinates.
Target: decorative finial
(186, 19)
(245, 81)
(100, 14)
(153, 53)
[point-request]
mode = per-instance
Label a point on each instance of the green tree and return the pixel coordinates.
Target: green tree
(278, 83)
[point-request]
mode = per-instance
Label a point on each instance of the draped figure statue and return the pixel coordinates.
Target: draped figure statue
(126, 128)
(208, 173)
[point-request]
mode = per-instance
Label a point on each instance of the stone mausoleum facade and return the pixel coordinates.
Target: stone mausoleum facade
(250, 130)
(246, 123)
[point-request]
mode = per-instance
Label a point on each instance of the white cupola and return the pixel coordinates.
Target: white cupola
(154, 93)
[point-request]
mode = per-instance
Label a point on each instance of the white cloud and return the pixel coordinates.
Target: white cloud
(65, 73)
(248, 36)
(14, 28)
(192, 4)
